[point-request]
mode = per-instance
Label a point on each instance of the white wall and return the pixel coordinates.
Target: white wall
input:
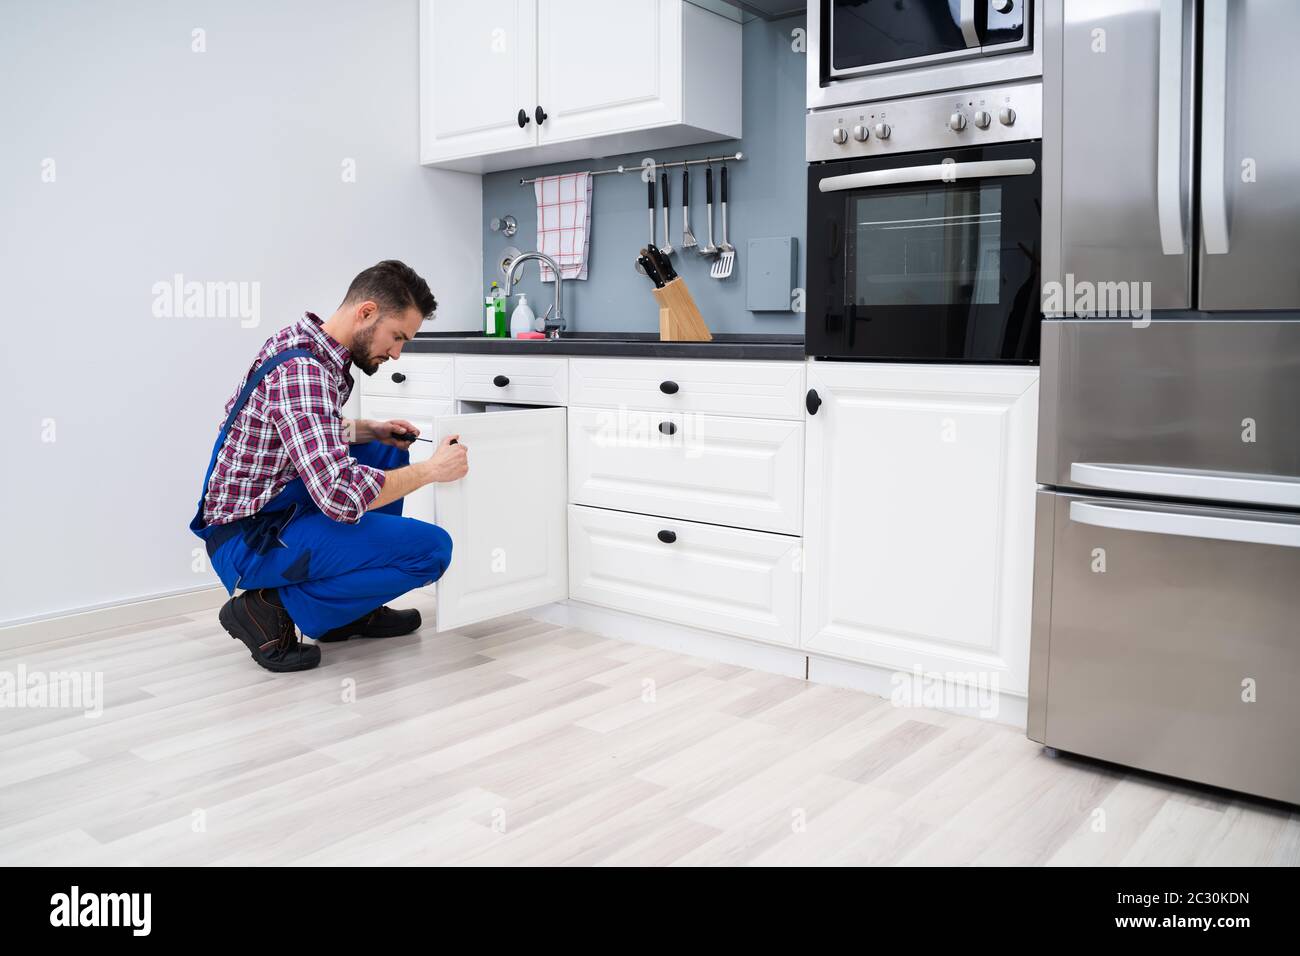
(225, 165)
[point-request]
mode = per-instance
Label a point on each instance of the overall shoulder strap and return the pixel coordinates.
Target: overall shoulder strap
(255, 379)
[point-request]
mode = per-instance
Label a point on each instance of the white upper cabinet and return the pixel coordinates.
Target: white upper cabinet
(919, 518)
(506, 518)
(478, 69)
(508, 83)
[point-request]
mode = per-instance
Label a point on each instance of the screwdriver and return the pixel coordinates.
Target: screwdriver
(404, 436)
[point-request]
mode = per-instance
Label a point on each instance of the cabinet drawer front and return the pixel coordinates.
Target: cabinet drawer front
(411, 376)
(523, 378)
(750, 389)
(744, 472)
(1171, 642)
(744, 583)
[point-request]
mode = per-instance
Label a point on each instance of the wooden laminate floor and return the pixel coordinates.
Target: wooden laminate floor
(524, 742)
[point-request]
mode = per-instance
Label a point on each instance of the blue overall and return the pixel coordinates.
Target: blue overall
(327, 573)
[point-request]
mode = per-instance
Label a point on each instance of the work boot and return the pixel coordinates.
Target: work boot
(259, 620)
(381, 622)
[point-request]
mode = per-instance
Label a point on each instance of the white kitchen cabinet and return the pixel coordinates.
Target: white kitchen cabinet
(521, 379)
(410, 376)
(506, 517)
(757, 389)
(478, 69)
(729, 580)
(918, 518)
(742, 472)
(511, 83)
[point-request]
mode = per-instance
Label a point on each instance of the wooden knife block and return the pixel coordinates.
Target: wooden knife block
(679, 319)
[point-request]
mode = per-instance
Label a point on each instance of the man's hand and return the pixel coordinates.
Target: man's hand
(384, 432)
(450, 462)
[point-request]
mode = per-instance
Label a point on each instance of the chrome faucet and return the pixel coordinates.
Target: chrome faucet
(553, 321)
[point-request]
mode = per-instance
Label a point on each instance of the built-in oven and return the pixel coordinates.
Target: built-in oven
(926, 254)
(868, 49)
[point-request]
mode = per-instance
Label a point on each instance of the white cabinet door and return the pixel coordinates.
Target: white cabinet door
(606, 67)
(919, 518)
(506, 517)
(421, 502)
(478, 69)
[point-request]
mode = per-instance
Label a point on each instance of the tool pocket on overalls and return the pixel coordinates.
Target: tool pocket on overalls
(262, 531)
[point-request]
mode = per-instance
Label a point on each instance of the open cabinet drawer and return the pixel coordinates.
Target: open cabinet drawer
(506, 517)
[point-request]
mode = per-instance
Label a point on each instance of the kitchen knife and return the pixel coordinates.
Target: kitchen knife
(651, 269)
(662, 263)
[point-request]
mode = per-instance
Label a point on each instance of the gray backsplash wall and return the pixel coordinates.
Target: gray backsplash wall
(767, 198)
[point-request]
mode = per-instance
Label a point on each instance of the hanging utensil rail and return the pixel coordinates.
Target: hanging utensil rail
(730, 158)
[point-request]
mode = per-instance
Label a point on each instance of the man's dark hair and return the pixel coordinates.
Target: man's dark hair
(394, 287)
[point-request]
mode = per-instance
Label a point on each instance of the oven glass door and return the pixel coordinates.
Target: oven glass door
(868, 36)
(926, 256)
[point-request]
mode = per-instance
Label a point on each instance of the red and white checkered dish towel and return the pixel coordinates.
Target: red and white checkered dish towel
(564, 223)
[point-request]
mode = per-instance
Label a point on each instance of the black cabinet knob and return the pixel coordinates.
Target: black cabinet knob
(500, 381)
(399, 378)
(523, 117)
(668, 388)
(668, 428)
(812, 401)
(667, 537)
(540, 116)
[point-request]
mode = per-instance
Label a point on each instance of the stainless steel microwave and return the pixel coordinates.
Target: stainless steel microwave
(861, 50)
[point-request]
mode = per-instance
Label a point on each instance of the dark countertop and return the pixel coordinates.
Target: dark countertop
(615, 344)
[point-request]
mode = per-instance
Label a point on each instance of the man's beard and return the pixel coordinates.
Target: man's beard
(360, 350)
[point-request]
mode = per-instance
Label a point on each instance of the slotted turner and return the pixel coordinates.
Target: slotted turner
(726, 251)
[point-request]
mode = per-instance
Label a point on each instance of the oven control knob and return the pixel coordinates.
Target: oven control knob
(883, 131)
(840, 135)
(956, 122)
(861, 133)
(1007, 116)
(982, 119)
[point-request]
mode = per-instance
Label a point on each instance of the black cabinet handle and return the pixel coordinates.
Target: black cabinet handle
(667, 537)
(668, 428)
(540, 116)
(500, 381)
(523, 117)
(668, 388)
(812, 401)
(399, 378)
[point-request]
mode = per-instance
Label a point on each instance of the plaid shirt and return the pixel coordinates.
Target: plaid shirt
(292, 426)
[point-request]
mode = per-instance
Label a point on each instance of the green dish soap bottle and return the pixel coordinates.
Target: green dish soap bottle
(494, 314)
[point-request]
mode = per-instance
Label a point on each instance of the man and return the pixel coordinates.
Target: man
(301, 507)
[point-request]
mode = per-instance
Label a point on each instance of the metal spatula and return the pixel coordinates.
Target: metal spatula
(726, 251)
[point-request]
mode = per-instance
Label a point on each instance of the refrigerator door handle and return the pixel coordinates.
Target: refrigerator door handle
(1276, 490)
(1169, 129)
(1186, 525)
(1214, 101)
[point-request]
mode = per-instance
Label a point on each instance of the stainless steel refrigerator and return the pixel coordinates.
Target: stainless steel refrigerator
(1166, 630)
